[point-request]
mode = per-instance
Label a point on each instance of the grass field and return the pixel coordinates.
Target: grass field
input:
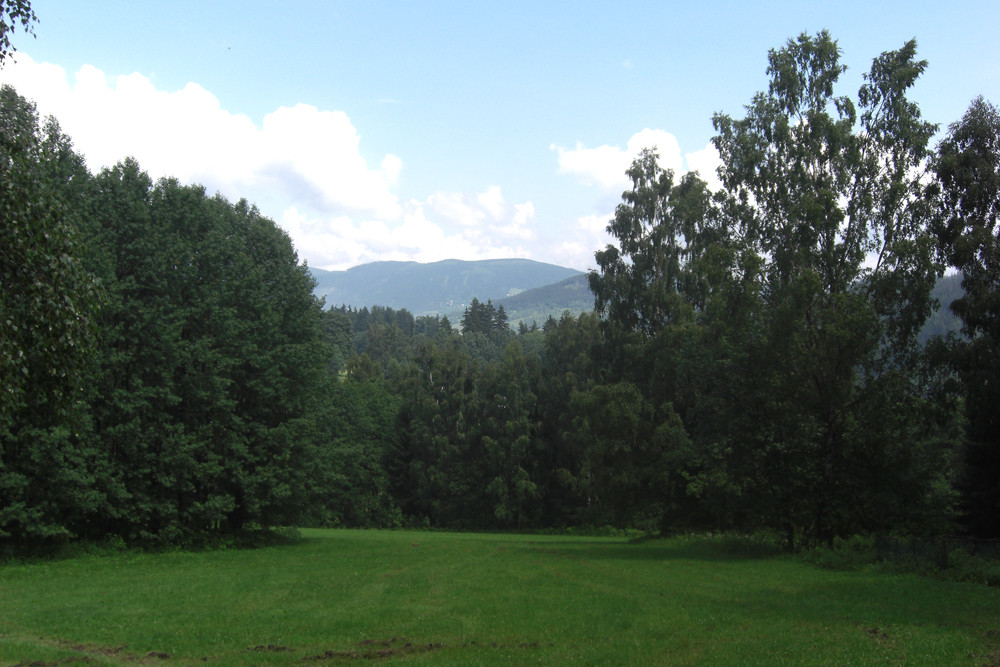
(341, 597)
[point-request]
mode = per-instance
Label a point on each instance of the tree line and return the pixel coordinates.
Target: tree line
(752, 362)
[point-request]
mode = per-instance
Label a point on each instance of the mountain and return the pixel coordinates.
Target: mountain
(529, 291)
(440, 287)
(942, 321)
(536, 305)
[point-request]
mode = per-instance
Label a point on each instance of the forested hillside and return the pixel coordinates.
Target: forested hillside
(538, 305)
(393, 285)
(438, 288)
(752, 363)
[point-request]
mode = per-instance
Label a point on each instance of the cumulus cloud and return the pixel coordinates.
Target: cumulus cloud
(605, 166)
(341, 243)
(304, 167)
(301, 151)
(485, 215)
(594, 224)
(445, 225)
(706, 162)
(301, 165)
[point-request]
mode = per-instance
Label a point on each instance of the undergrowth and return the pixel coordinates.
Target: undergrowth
(860, 553)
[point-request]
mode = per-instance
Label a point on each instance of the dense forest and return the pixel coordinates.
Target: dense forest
(752, 362)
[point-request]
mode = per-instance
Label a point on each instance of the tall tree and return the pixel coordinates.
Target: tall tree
(429, 469)
(358, 429)
(211, 362)
(829, 196)
(48, 306)
(968, 168)
(648, 280)
(509, 432)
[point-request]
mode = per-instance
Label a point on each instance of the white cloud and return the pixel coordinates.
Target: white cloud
(485, 216)
(300, 152)
(304, 167)
(665, 143)
(520, 225)
(594, 224)
(605, 166)
(457, 208)
(301, 162)
(706, 162)
(492, 202)
(341, 242)
(317, 151)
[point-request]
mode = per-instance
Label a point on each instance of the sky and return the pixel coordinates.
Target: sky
(424, 131)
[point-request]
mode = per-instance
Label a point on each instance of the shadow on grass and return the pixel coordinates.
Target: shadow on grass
(708, 549)
(43, 552)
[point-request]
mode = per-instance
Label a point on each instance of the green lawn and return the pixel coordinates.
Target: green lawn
(465, 599)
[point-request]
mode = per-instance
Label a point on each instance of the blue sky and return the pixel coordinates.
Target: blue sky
(433, 130)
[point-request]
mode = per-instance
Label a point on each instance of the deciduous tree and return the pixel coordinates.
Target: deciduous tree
(12, 13)
(828, 195)
(48, 306)
(968, 168)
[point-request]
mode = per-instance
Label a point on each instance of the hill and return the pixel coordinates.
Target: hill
(942, 321)
(529, 291)
(536, 305)
(440, 287)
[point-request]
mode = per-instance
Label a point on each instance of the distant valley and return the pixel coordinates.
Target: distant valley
(528, 290)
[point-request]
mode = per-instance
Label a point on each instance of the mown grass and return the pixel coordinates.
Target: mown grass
(338, 597)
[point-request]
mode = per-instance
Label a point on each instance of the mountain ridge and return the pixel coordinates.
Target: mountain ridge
(442, 287)
(529, 291)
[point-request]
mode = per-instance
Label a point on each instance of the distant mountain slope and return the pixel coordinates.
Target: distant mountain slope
(440, 287)
(572, 294)
(529, 291)
(942, 321)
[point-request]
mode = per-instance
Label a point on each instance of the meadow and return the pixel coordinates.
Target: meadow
(341, 597)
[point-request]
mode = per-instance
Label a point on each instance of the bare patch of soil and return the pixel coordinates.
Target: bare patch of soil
(271, 648)
(373, 649)
(89, 650)
(877, 633)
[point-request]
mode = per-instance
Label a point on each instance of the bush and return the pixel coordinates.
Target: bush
(852, 553)
(963, 566)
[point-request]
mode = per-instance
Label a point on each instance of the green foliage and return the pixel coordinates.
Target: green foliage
(48, 306)
(357, 427)
(753, 363)
(510, 430)
(968, 167)
(963, 566)
(650, 279)
(186, 406)
(13, 12)
(438, 438)
(624, 447)
(337, 332)
(817, 185)
(212, 361)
